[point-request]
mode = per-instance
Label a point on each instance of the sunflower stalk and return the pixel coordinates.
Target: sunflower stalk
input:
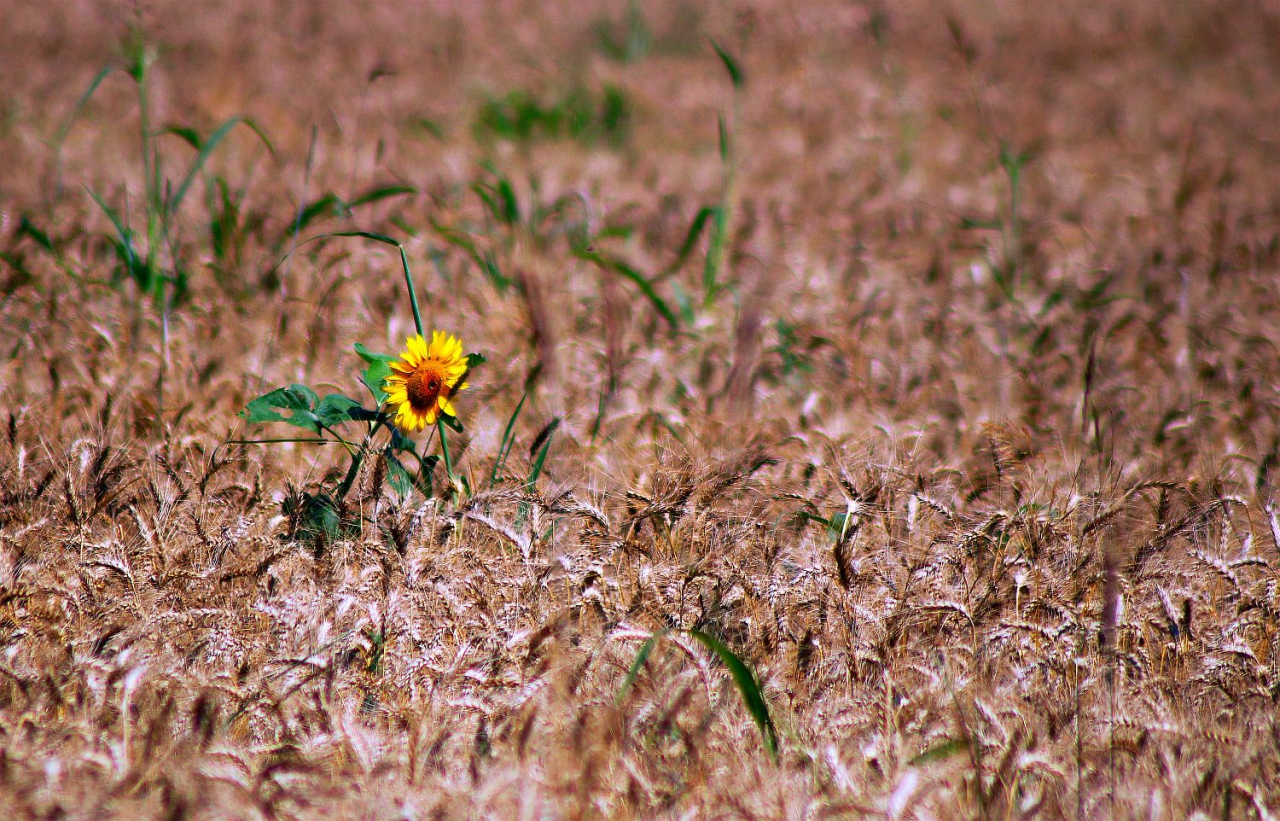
(448, 460)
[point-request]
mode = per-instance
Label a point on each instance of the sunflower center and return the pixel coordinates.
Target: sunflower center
(423, 386)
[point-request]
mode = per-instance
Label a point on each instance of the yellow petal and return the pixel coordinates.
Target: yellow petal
(447, 407)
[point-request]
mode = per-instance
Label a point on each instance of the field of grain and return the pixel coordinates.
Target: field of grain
(881, 413)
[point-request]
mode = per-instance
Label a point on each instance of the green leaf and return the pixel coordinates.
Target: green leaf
(371, 357)
(373, 377)
(400, 442)
(748, 686)
(730, 65)
(508, 439)
(474, 359)
(335, 409)
(28, 228)
(298, 399)
(138, 267)
(684, 304)
(541, 444)
(206, 148)
(715, 252)
(696, 227)
(375, 194)
(943, 749)
(318, 517)
(499, 197)
(452, 422)
(379, 369)
(645, 286)
(426, 468)
(400, 479)
(484, 261)
(188, 135)
(329, 204)
(646, 650)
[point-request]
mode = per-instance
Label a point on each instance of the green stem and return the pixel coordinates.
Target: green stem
(413, 294)
(444, 449)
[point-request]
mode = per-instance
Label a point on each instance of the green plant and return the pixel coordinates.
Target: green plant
(322, 514)
(578, 114)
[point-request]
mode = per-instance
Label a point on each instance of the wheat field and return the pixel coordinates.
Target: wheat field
(880, 418)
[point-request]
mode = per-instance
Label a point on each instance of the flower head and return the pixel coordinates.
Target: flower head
(423, 379)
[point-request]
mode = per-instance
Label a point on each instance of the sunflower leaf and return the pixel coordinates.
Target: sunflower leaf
(362, 414)
(296, 398)
(336, 408)
(474, 359)
(400, 479)
(373, 377)
(378, 370)
(370, 357)
(452, 422)
(316, 516)
(401, 442)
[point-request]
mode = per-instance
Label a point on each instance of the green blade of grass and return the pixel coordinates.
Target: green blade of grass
(696, 228)
(715, 254)
(404, 265)
(381, 193)
(206, 148)
(646, 650)
(314, 209)
(65, 129)
(541, 444)
(730, 65)
(641, 282)
(484, 262)
(140, 269)
(508, 439)
(748, 687)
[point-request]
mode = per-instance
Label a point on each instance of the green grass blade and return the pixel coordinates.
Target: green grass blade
(641, 282)
(404, 265)
(28, 228)
(328, 203)
(65, 129)
(541, 444)
(696, 228)
(188, 135)
(730, 65)
(137, 268)
(110, 212)
(484, 262)
(748, 685)
(508, 439)
(206, 148)
(444, 447)
(715, 254)
(381, 194)
(646, 650)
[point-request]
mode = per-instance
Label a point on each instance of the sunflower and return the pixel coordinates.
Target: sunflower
(423, 379)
